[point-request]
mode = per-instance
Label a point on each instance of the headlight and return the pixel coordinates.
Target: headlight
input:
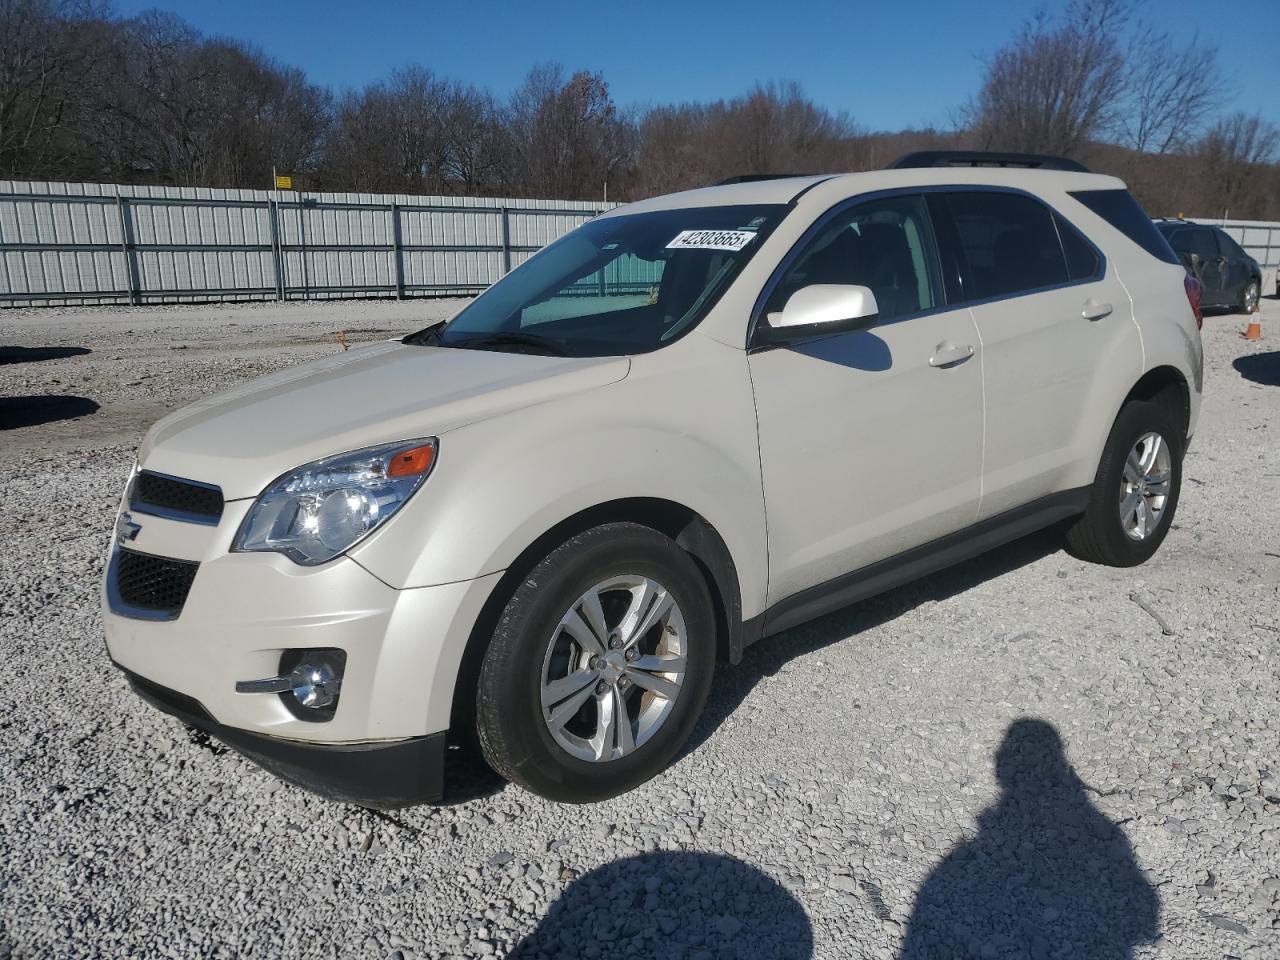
(316, 512)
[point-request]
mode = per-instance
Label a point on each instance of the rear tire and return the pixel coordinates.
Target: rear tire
(1135, 491)
(599, 666)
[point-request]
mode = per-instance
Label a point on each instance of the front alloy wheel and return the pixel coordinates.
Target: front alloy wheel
(613, 668)
(598, 666)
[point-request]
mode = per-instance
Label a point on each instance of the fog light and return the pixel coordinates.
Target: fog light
(308, 683)
(314, 685)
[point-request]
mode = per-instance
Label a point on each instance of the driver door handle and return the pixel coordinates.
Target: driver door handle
(947, 355)
(1093, 310)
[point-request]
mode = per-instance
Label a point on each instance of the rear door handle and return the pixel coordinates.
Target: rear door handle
(947, 355)
(1093, 310)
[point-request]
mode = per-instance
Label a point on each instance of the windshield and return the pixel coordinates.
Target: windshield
(616, 285)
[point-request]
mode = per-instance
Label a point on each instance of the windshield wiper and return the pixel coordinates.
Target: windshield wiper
(511, 339)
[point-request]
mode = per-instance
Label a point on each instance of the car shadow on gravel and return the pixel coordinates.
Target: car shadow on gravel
(768, 656)
(1263, 368)
(36, 354)
(673, 904)
(1046, 875)
(18, 412)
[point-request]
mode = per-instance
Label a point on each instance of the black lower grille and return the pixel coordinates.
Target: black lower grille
(171, 496)
(155, 584)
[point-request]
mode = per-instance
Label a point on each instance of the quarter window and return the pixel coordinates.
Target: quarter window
(1082, 258)
(1010, 243)
(885, 245)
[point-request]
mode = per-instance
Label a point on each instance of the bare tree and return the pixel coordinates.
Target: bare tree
(47, 56)
(1238, 156)
(1171, 91)
(1058, 85)
(568, 137)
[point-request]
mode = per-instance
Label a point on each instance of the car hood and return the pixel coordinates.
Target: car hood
(244, 438)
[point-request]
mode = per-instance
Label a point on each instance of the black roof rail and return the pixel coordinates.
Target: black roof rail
(983, 158)
(757, 177)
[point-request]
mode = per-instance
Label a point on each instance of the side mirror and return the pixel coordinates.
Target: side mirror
(824, 308)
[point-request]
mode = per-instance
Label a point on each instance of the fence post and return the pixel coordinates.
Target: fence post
(506, 241)
(277, 258)
(127, 248)
(398, 249)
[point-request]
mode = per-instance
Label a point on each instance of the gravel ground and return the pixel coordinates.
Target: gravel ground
(1026, 757)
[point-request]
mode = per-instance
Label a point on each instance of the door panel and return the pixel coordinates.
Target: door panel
(1053, 321)
(870, 442)
(1044, 364)
(866, 449)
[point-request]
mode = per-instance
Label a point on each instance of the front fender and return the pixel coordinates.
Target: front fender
(681, 427)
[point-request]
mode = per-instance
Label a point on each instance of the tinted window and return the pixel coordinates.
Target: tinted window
(1009, 241)
(1229, 247)
(1119, 209)
(1082, 259)
(1199, 242)
(881, 244)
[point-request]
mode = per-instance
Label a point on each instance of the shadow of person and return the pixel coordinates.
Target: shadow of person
(674, 905)
(1263, 368)
(1047, 876)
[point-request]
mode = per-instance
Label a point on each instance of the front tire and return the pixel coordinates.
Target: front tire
(1135, 491)
(599, 666)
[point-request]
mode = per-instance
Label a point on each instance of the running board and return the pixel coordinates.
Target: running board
(921, 561)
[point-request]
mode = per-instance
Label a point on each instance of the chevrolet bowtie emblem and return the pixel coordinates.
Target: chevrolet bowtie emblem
(126, 529)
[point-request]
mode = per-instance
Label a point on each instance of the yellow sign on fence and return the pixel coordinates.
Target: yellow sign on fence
(284, 182)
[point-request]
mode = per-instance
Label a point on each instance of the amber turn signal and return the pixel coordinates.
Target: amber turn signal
(412, 463)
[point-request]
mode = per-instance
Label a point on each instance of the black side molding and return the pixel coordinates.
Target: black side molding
(917, 562)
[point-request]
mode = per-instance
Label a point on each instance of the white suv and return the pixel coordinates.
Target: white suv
(691, 423)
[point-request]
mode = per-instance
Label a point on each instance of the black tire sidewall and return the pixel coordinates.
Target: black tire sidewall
(512, 731)
(1135, 420)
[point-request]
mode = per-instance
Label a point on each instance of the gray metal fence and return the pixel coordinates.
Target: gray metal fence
(63, 243)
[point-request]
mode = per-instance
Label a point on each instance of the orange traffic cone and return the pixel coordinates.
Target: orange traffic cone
(1254, 330)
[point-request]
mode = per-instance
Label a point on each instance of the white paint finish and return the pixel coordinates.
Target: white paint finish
(680, 427)
(1042, 363)
(866, 449)
(862, 449)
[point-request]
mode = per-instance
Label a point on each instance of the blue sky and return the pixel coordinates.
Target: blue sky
(890, 64)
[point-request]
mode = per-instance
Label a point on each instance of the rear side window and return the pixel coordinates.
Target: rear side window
(1010, 243)
(1229, 247)
(1119, 209)
(1082, 259)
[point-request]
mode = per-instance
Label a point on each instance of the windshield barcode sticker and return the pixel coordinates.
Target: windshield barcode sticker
(711, 240)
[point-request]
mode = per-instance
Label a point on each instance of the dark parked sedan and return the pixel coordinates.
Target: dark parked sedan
(1228, 275)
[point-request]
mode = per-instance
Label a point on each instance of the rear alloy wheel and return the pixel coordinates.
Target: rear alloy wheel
(1135, 491)
(599, 665)
(1144, 489)
(1249, 298)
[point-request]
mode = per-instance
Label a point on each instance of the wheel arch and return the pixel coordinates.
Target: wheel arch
(692, 532)
(1167, 386)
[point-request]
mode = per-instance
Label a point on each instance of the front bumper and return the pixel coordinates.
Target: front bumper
(383, 774)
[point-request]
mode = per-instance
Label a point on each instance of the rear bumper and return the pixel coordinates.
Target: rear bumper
(384, 774)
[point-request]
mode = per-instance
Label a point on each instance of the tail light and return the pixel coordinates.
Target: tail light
(1194, 290)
